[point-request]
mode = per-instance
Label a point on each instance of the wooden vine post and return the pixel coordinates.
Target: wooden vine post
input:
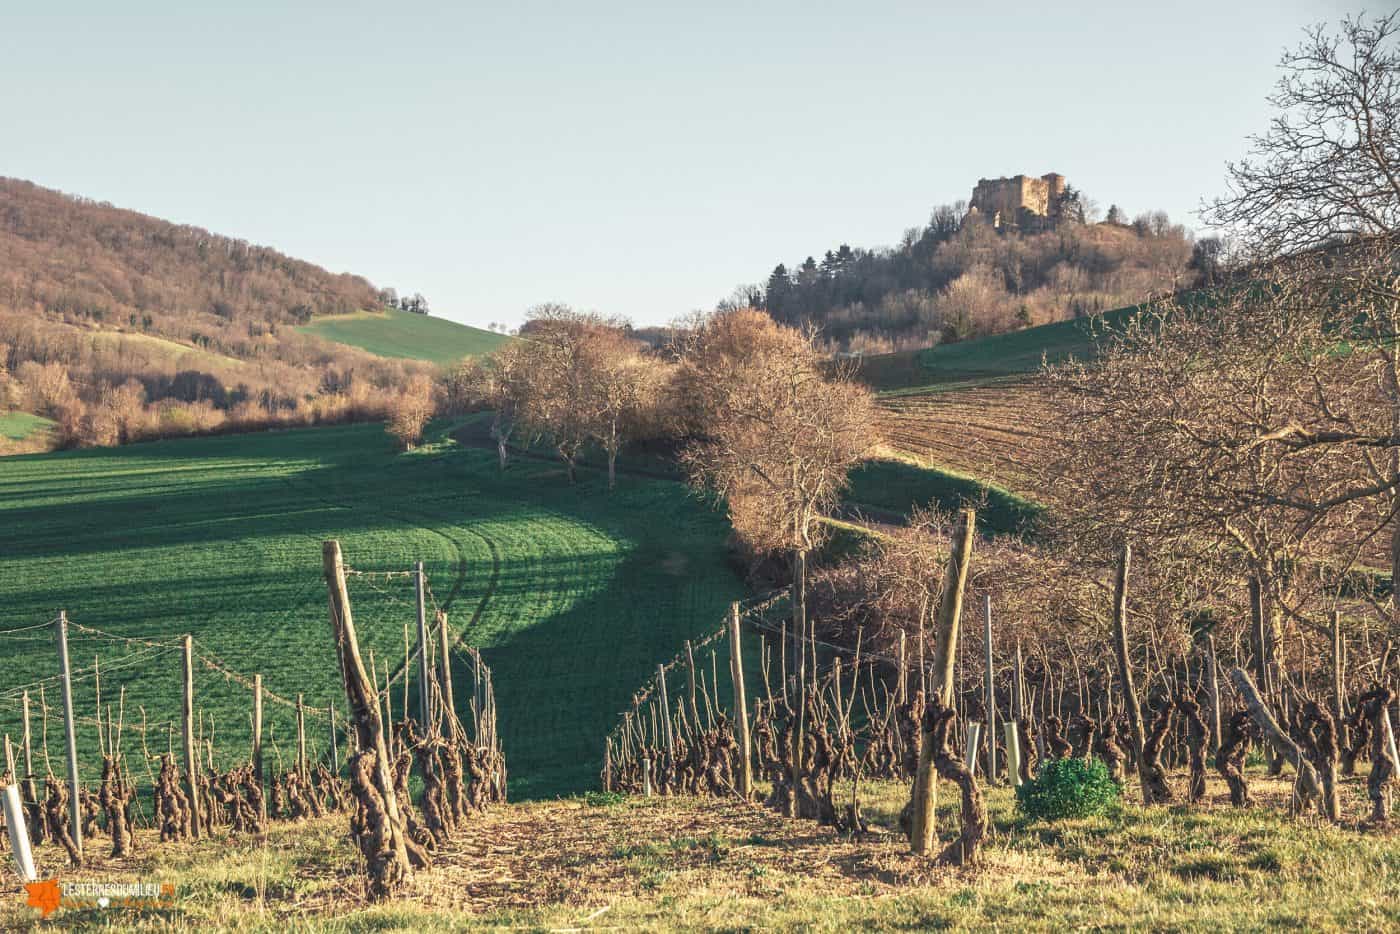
(665, 712)
(991, 699)
(187, 723)
(424, 675)
(382, 840)
(1125, 669)
(335, 750)
(445, 663)
(945, 648)
(258, 739)
(301, 738)
(741, 704)
(1338, 698)
(75, 802)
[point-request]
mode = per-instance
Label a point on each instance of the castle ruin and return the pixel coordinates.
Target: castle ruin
(1022, 201)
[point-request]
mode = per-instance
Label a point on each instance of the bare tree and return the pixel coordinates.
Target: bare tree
(781, 431)
(1255, 439)
(409, 414)
(1328, 167)
(500, 383)
(621, 385)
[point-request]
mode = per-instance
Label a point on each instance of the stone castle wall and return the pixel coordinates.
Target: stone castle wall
(1003, 200)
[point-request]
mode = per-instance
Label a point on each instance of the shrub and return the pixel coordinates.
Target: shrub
(1068, 788)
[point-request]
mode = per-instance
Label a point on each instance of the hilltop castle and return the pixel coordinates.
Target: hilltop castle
(1021, 201)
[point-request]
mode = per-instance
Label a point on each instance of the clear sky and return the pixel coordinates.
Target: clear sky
(640, 158)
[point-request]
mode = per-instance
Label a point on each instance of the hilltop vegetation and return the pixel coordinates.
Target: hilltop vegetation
(950, 281)
(404, 334)
(571, 593)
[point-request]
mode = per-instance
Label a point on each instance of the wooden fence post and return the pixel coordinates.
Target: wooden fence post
(741, 704)
(187, 718)
(1308, 778)
(1213, 687)
(388, 864)
(944, 652)
(902, 689)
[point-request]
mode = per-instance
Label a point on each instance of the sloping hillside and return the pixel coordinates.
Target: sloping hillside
(1015, 354)
(402, 334)
(973, 407)
(77, 259)
(117, 326)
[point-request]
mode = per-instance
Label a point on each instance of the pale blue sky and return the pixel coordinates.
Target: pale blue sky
(638, 158)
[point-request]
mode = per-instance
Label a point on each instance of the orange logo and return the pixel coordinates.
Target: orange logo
(44, 895)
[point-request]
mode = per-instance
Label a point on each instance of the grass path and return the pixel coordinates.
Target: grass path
(688, 863)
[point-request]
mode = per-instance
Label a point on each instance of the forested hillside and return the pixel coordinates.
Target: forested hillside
(118, 326)
(948, 281)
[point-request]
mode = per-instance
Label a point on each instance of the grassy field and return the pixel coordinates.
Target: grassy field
(573, 593)
(24, 433)
(897, 485)
(700, 864)
(1016, 354)
(18, 426)
(404, 334)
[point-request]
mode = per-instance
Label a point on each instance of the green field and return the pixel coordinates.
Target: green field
(1018, 353)
(897, 486)
(573, 593)
(404, 334)
(19, 426)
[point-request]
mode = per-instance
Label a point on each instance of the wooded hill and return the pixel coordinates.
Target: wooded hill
(949, 281)
(119, 326)
(82, 260)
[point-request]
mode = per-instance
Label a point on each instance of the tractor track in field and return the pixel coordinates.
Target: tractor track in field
(459, 579)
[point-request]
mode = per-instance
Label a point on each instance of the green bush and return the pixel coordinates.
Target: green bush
(1068, 788)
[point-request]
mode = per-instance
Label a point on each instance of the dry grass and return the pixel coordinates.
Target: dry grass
(663, 864)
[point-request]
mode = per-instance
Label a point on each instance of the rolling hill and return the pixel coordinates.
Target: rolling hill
(115, 325)
(999, 357)
(402, 334)
(973, 409)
